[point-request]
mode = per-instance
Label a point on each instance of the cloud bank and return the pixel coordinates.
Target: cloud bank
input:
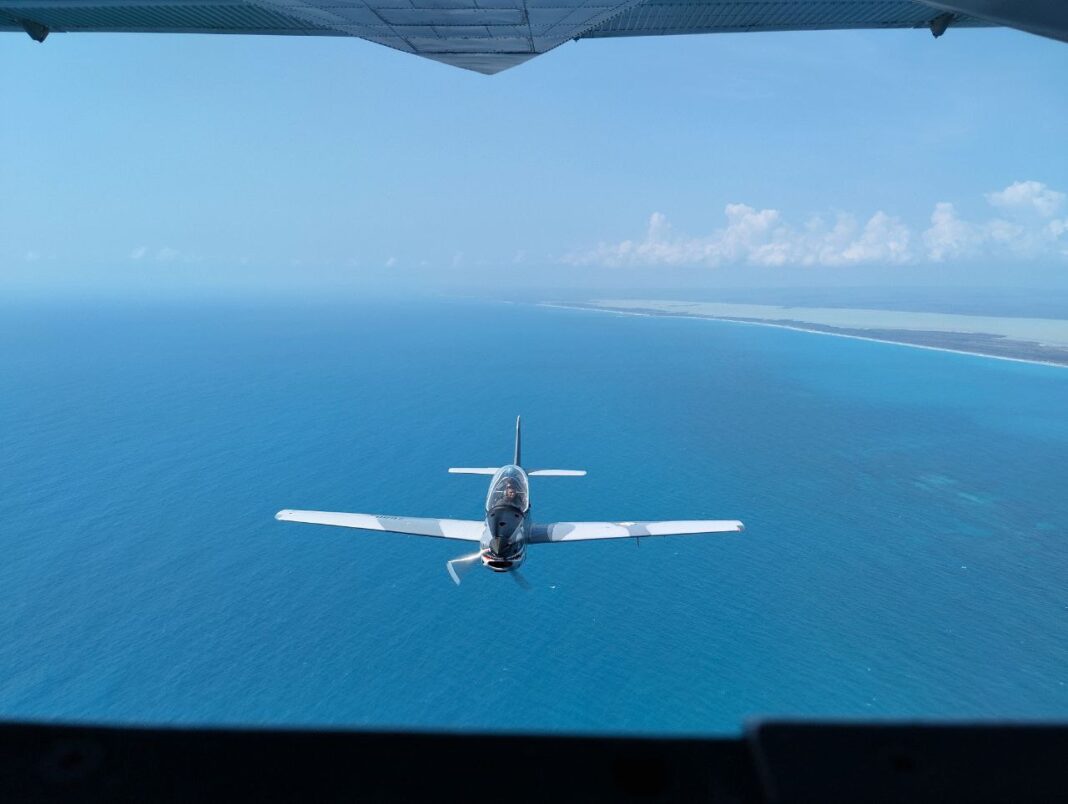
(164, 254)
(1028, 225)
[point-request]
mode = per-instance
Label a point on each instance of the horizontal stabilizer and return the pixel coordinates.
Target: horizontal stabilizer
(557, 473)
(468, 530)
(463, 470)
(583, 531)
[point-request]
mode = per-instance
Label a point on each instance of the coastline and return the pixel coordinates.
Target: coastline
(800, 327)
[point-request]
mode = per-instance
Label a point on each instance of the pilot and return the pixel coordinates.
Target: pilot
(511, 496)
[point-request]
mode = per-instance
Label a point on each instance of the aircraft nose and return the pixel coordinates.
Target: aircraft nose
(504, 524)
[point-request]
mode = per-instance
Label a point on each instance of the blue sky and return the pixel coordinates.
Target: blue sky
(160, 163)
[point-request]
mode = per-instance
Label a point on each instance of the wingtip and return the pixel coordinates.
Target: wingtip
(741, 527)
(283, 514)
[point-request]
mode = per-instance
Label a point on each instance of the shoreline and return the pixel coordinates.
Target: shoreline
(798, 328)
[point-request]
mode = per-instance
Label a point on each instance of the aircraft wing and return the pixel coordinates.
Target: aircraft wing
(492, 35)
(583, 531)
(467, 530)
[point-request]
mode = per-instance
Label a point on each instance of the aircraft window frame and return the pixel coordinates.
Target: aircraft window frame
(516, 476)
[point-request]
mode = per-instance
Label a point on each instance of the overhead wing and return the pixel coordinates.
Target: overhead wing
(482, 35)
(478, 470)
(583, 531)
(492, 35)
(662, 17)
(467, 530)
(557, 473)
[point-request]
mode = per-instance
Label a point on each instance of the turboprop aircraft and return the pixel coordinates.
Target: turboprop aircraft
(506, 531)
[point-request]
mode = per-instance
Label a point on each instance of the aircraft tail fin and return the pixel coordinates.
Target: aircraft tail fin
(518, 442)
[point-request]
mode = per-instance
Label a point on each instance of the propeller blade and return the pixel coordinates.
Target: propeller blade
(520, 579)
(465, 563)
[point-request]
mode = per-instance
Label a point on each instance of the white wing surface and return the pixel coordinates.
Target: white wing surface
(583, 531)
(467, 530)
(557, 473)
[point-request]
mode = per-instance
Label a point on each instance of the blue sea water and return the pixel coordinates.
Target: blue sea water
(906, 512)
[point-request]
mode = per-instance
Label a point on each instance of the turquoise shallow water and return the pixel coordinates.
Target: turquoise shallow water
(905, 554)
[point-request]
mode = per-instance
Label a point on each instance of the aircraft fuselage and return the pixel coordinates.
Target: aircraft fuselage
(507, 519)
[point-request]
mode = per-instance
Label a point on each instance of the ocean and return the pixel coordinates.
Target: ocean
(906, 512)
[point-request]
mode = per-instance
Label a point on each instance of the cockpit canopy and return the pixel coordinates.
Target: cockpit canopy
(509, 487)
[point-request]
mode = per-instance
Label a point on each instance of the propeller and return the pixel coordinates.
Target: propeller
(520, 579)
(465, 563)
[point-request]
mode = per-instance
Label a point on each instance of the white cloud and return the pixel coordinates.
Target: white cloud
(763, 237)
(1028, 233)
(884, 239)
(1032, 196)
(168, 254)
(391, 262)
(949, 237)
(760, 237)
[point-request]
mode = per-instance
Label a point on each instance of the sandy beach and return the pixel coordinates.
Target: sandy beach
(1027, 340)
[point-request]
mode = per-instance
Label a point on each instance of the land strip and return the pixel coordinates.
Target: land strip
(1032, 340)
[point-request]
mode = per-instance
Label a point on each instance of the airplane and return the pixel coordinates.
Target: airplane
(507, 530)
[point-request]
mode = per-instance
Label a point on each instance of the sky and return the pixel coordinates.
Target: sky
(171, 164)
